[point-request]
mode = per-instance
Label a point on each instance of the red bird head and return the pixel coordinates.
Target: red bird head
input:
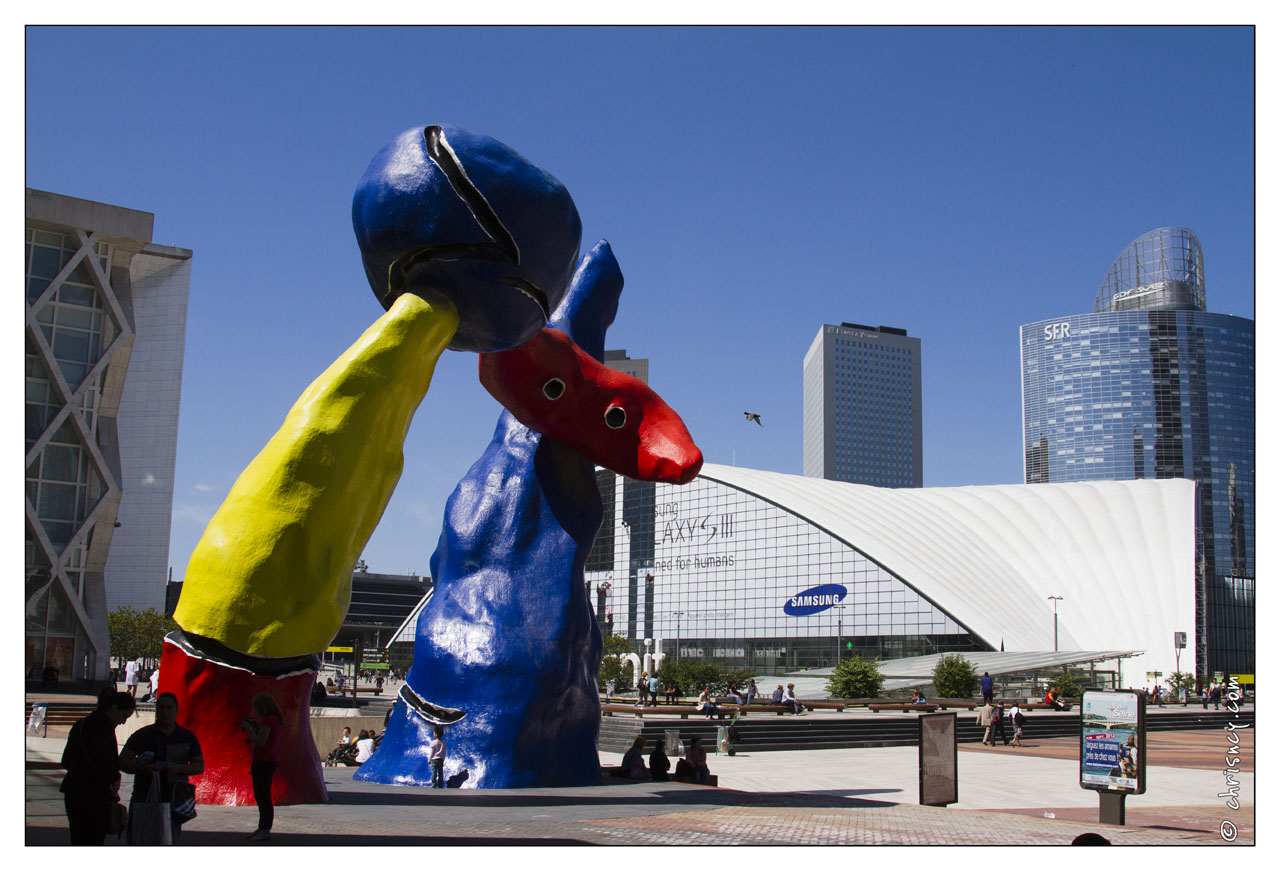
(614, 420)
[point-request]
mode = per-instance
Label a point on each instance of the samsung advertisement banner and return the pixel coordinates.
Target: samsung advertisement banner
(1113, 751)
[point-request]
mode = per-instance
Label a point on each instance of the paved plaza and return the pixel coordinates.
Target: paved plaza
(1011, 796)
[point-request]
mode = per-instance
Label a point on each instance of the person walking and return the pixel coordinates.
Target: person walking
(166, 751)
(91, 786)
(997, 726)
(642, 689)
(263, 730)
(1016, 718)
(131, 677)
(988, 692)
(985, 715)
(436, 754)
(654, 686)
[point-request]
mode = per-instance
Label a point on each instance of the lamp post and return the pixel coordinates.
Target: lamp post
(677, 615)
(1056, 600)
(839, 631)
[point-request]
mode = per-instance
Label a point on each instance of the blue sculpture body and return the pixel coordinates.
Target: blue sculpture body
(508, 636)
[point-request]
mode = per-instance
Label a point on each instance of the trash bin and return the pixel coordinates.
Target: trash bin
(675, 747)
(723, 744)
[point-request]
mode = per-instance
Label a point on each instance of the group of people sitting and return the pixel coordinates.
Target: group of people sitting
(693, 767)
(354, 751)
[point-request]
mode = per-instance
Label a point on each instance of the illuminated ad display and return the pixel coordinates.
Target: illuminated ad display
(1113, 747)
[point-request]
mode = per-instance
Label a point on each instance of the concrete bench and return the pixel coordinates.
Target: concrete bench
(948, 704)
(900, 706)
(681, 711)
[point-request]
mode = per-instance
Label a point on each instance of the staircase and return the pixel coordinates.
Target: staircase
(62, 713)
(827, 732)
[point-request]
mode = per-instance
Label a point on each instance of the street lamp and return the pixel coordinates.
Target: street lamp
(839, 631)
(1056, 600)
(677, 615)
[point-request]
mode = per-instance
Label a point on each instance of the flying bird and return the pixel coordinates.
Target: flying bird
(753, 416)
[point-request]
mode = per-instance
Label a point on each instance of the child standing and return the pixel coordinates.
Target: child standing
(437, 748)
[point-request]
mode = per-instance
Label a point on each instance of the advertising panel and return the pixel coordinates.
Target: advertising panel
(939, 782)
(1113, 747)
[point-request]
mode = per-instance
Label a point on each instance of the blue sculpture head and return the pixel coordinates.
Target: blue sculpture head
(464, 215)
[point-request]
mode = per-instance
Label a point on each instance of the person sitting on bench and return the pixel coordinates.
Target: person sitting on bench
(672, 693)
(777, 696)
(705, 705)
(789, 699)
(633, 762)
(917, 697)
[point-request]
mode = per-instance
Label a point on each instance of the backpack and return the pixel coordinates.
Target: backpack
(1019, 719)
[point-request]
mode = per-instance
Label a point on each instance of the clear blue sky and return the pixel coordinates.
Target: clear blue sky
(755, 183)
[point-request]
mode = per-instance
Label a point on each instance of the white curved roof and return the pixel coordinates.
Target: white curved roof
(1120, 553)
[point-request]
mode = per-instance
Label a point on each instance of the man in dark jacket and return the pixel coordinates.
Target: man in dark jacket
(986, 687)
(91, 787)
(163, 750)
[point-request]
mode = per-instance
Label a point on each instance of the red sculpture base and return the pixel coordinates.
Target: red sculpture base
(212, 700)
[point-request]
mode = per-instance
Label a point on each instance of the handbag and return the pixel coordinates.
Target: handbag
(118, 820)
(184, 802)
(149, 822)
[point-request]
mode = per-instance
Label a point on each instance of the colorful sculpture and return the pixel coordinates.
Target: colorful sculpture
(508, 637)
(471, 247)
(467, 245)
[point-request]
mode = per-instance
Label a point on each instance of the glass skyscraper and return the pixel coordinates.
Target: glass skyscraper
(1151, 385)
(862, 418)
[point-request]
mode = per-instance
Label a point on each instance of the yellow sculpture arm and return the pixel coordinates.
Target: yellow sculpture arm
(271, 576)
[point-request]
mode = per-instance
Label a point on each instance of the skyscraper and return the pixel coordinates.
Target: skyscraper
(1152, 385)
(638, 368)
(106, 314)
(862, 418)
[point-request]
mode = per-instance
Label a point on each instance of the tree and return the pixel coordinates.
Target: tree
(1182, 680)
(954, 677)
(614, 667)
(691, 677)
(1068, 685)
(855, 678)
(137, 634)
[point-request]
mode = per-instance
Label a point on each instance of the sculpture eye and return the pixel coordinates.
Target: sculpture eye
(615, 417)
(553, 389)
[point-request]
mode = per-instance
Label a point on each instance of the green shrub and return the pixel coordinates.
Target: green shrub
(691, 677)
(1068, 685)
(954, 677)
(855, 678)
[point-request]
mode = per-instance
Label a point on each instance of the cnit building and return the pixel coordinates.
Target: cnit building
(1149, 386)
(106, 315)
(778, 572)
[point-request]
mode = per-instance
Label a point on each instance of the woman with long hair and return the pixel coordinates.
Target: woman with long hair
(263, 730)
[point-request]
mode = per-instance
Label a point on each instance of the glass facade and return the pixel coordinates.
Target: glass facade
(709, 572)
(862, 405)
(64, 481)
(1160, 392)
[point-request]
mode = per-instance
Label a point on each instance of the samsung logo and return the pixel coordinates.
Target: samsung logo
(814, 600)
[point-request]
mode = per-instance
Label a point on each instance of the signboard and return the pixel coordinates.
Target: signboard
(1113, 745)
(938, 771)
(339, 650)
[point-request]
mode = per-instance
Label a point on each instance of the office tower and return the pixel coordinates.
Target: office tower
(626, 505)
(106, 318)
(638, 368)
(1152, 385)
(862, 419)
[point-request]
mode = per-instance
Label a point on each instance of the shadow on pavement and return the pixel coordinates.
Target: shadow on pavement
(52, 837)
(666, 799)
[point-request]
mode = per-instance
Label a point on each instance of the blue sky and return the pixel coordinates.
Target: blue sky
(754, 183)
